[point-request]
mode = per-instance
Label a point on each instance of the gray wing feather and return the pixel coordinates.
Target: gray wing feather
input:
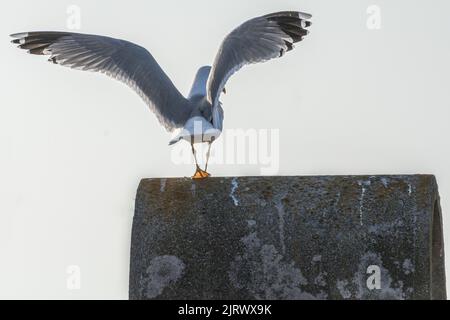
(119, 59)
(257, 40)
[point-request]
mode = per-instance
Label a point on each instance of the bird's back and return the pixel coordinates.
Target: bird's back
(198, 88)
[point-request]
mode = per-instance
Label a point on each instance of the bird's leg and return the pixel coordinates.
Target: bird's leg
(207, 156)
(199, 173)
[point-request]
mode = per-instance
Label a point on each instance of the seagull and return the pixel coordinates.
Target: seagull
(199, 117)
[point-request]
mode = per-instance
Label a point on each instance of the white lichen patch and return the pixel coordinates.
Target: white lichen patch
(341, 285)
(161, 272)
(234, 187)
(363, 185)
(336, 203)
(320, 280)
(193, 188)
(262, 271)
(162, 186)
(385, 182)
(408, 266)
(385, 227)
(361, 206)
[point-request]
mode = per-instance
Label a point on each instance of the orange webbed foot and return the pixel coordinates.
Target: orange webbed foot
(200, 174)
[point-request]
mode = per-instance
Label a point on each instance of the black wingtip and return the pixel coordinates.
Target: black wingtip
(37, 42)
(289, 14)
(293, 23)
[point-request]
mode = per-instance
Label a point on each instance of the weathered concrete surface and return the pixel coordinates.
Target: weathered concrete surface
(288, 238)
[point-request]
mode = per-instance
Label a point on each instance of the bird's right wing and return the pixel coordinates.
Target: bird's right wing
(119, 59)
(257, 40)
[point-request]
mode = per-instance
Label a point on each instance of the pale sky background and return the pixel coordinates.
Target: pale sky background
(74, 145)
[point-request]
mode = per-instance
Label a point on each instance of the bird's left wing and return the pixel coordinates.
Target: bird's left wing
(119, 59)
(257, 40)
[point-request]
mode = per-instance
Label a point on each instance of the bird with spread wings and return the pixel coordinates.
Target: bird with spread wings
(199, 116)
